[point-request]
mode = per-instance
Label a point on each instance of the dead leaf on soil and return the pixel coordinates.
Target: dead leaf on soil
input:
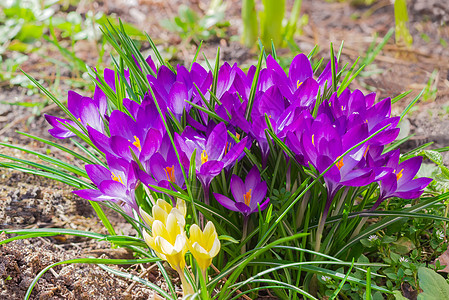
(444, 261)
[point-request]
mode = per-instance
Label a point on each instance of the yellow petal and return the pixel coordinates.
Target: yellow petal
(201, 256)
(166, 247)
(196, 235)
(175, 254)
(177, 261)
(209, 235)
(181, 205)
(173, 228)
(215, 248)
(164, 205)
(179, 217)
(209, 229)
(200, 252)
(180, 243)
(149, 240)
(158, 229)
(146, 217)
(159, 214)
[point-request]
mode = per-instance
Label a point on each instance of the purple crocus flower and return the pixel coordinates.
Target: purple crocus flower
(399, 182)
(116, 184)
(248, 196)
(88, 111)
(212, 153)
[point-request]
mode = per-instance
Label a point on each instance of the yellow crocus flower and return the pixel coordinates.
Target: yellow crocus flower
(168, 241)
(204, 245)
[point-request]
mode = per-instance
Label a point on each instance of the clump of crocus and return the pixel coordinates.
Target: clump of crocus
(204, 245)
(168, 238)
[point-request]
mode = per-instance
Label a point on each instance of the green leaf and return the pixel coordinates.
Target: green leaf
(228, 238)
(398, 296)
(404, 245)
(433, 285)
(434, 156)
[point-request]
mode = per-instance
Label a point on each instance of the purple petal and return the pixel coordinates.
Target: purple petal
(122, 125)
(226, 202)
(243, 208)
(414, 185)
(89, 115)
(158, 167)
(151, 144)
(113, 188)
(264, 204)
(91, 194)
(165, 78)
(300, 70)
(323, 162)
(120, 146)
(209, 170)
(216, 142)
(258, 194)
(109, 77)
(327, 73)
(74, 103)
(101, 141)
(410, 167)
(252, 179)
(176, 97)
(237, 188)
(358, 177)
(235, 152)
(150, 62)
(98, 173)
(305, 95)
(388, 185)
(59, 131)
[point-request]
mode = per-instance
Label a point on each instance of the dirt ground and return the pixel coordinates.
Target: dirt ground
(27, 201)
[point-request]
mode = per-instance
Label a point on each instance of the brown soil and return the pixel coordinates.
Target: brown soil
(27, 201)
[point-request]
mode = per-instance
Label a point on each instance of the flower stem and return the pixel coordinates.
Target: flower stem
(204, 274)
(187, 289)
(322, 222)
(244, 232)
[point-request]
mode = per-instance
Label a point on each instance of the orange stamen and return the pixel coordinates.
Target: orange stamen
(399, 175)
(247, 197)
(366, 151)
(228, 144)
(137, 143)
(204, 157)
(170, 173)
(115, 178)
(313, 139)
(298, 84)
(340, 164)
